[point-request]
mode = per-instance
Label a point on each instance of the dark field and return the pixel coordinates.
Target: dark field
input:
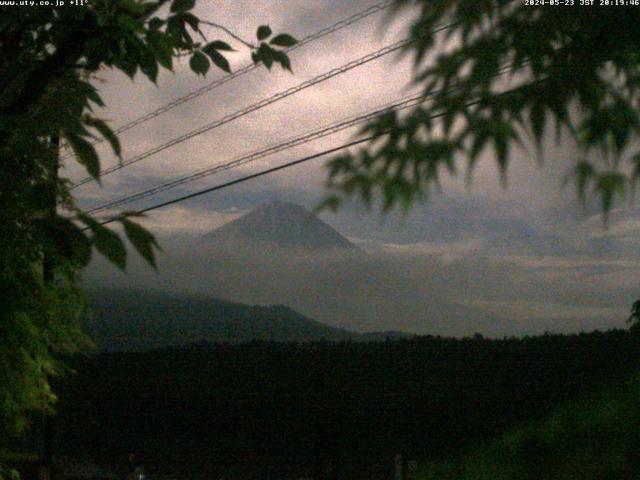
(265, 410)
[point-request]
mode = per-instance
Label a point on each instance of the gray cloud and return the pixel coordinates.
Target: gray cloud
(521, 260)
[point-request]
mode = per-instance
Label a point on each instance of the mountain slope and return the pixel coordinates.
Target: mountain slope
(136, 320)
(281, 225)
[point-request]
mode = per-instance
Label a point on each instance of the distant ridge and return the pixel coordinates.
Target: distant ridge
(281, 225)
(137, 320)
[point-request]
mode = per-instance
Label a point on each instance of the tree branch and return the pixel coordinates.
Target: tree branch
(230, 33)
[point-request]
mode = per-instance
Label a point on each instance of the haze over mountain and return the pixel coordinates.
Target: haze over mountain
(282, 254)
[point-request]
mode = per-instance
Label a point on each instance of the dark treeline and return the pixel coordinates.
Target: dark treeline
(204, 408)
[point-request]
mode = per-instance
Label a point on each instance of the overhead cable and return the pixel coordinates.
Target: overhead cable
(244, 70)
(257, 106)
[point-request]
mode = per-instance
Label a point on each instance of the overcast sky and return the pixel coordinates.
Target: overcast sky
(529, 254)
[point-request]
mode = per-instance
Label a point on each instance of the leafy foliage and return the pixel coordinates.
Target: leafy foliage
(634, 318)
(48, 56)
(266, 54)
(576, 67)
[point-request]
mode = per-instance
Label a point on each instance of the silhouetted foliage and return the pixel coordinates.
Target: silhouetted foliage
(634, 318)
(205, 408)
(48, 57)
(575, 66)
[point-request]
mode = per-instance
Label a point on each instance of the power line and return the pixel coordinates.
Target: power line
(248, 177)
(288, 164)
(261, 104)
(246, 69)
(259, 174)
(256, 155)
(252, 108)
(397, 105)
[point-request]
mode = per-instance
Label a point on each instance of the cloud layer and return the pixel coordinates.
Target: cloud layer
(522, 260)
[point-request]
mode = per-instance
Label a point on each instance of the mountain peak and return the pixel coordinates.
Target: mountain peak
(282, 225)
(284, 209)
(280, 205)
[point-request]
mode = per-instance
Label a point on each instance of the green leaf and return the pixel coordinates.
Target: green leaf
(182, 5)
(161, 47)
(218, 59)
(107, 242)
(149, 65)
(142, 240)
(332, 202)
(584, 172)
(175, 29)
(199, 63)
(537, 117)
(264, 31)
(219, 45)
(501, 148)
(479, 143)
(85, 154)
(265, 53)
(106, 132)
(128, 65)
(188, 41)
(127, 22)
(133, 6)
(91, 93)
(283, 40)
(608, 186)
(155, 23)
(191, 19)
(282, 59)
(62, 238)
(635, 173)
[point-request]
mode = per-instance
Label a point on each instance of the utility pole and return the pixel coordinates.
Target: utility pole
(46, 434)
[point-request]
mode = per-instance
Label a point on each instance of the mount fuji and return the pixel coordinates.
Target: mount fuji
(283, 226)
